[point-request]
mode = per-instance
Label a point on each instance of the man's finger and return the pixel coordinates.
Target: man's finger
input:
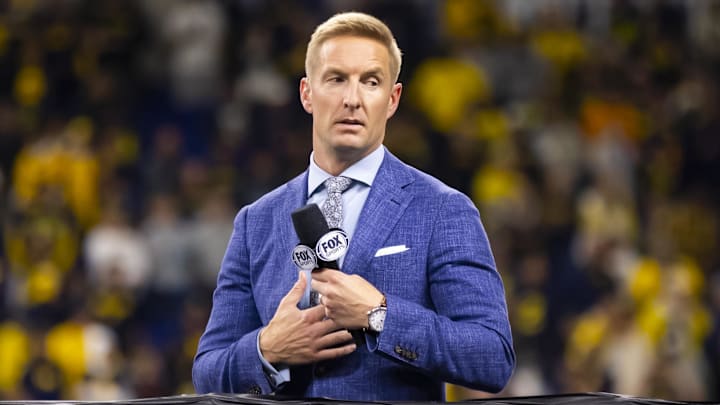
(298, 289)
(323, 275)
(314, 314)
(335, 352)
(340, 337)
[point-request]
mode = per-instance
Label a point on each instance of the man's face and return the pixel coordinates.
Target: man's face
(351, 95)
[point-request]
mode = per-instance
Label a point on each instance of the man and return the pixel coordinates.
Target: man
(418, 280)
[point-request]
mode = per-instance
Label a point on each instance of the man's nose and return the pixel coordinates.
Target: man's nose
(351, 97)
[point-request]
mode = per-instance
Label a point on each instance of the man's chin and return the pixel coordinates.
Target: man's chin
(349, 150)
(347, 142)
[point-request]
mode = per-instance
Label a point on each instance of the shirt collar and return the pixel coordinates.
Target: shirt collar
(364, 170)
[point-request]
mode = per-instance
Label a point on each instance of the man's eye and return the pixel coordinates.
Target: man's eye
(372, 82)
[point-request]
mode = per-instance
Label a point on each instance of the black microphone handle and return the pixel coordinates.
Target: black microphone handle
(310, 225)
(328, 265)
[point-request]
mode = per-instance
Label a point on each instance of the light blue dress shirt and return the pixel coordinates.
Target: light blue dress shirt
(363, 174)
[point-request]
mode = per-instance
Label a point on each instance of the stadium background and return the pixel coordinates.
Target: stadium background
(585, 131)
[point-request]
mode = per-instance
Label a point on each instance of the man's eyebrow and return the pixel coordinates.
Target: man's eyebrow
(332, 71)
(373, 72)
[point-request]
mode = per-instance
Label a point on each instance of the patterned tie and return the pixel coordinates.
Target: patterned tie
(332, 208)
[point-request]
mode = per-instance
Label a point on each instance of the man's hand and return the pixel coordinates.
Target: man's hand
(347, 298)
(295, 336)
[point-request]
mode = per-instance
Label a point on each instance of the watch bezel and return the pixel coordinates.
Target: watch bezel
(373, 319)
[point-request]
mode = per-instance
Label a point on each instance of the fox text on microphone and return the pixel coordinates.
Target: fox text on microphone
(332, 245)
(304, 257)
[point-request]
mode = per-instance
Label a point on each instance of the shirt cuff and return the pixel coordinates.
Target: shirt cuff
(372, 341)
(277, 378)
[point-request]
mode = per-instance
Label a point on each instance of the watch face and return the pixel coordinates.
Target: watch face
(376, 320)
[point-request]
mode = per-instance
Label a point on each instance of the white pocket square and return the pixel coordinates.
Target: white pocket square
(391, 250)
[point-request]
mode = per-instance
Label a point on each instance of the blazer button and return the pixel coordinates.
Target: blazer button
(399, 350)
(255, 390)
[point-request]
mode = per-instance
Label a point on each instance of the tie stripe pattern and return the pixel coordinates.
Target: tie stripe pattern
(332, 208)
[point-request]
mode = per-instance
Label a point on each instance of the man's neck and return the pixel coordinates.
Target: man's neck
(337, 163)
(335, 167)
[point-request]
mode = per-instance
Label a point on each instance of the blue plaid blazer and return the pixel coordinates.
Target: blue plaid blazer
(447, 317)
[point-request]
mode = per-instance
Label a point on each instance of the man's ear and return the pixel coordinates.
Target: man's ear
(394, 99)
(306, 95)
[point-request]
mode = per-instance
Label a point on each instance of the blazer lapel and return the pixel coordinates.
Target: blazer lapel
(295, 195)
(385, 205)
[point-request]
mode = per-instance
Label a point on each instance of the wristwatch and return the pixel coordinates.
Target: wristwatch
(376, 317)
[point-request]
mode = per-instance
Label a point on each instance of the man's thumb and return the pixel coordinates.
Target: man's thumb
(298, 290)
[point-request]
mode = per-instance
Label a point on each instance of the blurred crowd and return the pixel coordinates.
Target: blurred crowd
(586, 132)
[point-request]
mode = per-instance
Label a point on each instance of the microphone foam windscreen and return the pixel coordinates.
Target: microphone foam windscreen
(310, 224)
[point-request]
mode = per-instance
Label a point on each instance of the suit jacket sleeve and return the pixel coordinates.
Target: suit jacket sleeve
(466, 338)
(227, 358)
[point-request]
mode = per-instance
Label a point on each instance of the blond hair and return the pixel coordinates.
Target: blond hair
(354, 24)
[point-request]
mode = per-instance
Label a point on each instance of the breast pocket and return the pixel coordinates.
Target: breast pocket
(399, 271)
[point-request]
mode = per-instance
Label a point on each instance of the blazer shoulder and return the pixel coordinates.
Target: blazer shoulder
(279, 197)
(419, 181)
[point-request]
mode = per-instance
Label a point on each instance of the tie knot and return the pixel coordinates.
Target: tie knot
(337, 184)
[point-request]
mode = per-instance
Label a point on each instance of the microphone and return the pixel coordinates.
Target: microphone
(317, 239)
(319, 247)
